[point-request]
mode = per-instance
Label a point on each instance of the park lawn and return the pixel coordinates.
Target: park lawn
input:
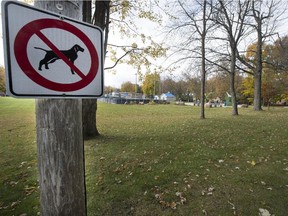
(18, 158)
(159, 160)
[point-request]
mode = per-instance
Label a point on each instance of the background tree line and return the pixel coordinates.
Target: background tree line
(212, 35)
(274, 86)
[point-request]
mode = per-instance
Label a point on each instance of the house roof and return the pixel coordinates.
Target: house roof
(168, 94)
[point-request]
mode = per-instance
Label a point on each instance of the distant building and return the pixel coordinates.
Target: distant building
(167, 97)
(156, 97)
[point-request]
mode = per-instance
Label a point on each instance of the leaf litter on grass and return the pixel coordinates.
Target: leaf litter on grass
(175, 151)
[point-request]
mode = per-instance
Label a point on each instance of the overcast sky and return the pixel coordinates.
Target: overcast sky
(123, 73)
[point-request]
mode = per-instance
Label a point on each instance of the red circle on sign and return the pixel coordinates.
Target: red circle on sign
(21, 43)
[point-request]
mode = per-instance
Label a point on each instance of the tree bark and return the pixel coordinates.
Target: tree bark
(89, 110)
(258, 70)
(90, 105)
(60, 143)
(203, 63)
(257, 91)
(232, 81)
(233, 94)
(60, 157)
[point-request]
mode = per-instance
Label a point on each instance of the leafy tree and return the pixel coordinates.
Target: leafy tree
(178, 88)
(265, 17)
(2, 79)
(167, 85)
(219, 85)
(142, 50)
(181, 90)
(151, 84)
(127, 87)
(274, 70)
(248, 88)
(277, 54)
(109, 89)
(275, 76)
(184, 88)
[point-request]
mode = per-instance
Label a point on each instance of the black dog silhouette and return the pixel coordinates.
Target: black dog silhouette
(51, 57)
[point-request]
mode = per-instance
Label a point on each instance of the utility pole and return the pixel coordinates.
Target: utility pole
(136, 89)
(60, 141)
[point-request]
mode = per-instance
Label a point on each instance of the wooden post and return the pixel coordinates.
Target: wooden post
(60, 142)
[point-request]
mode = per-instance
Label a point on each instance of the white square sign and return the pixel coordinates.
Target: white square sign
(50, 56)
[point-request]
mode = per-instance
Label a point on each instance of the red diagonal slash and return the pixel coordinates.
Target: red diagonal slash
(59, 53)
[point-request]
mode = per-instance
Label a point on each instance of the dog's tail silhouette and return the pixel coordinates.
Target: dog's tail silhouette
(41, 49)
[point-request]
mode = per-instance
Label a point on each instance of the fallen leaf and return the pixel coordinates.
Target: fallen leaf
(13, 204)
(29, 190)
(263, 183)
(13, 183)
(211, 189)
(173, 205)
(179, 194)
(264, 212)
(183, 200)
(157, 196)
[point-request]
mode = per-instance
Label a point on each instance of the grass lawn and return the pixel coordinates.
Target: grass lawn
(159, 160)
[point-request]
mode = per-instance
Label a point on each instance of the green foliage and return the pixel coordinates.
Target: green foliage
(127, 87)
(151, 84)
(142, 51)
(248, 86)
(274, 73)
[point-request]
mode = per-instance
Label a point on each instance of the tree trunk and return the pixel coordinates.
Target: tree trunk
(202, 97)
(89, 109)
(232, 82)
(89, 106)
(60, 157)
(203, 63)
(233, 94)
(60, 143)
(257, 91)
(258, 73)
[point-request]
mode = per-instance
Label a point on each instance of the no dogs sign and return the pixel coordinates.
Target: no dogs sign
(50, 56)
